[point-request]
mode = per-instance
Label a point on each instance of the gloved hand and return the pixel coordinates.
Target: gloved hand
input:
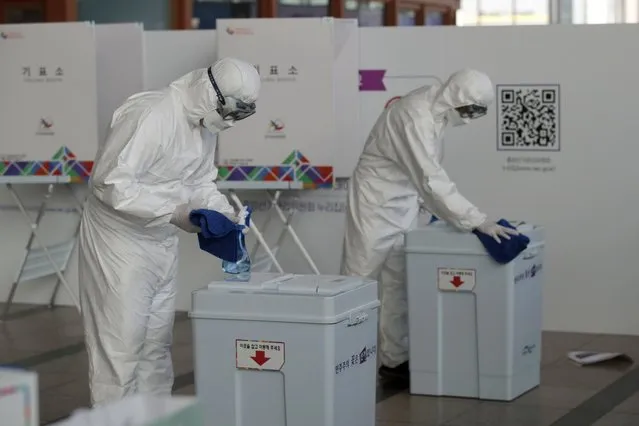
(241, 219)
(242, 215)
(180, 218)
(495, 230)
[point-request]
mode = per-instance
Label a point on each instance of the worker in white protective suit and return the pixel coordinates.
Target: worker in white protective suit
(399, 169)
(153, 170)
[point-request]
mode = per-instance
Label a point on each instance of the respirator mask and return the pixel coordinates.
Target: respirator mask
(228, 111)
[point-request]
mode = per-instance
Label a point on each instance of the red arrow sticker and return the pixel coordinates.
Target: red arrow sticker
(260, 358)
(259, 355)
(457, 281)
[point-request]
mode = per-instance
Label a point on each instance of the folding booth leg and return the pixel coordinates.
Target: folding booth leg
(35, 235)
(27, 250)
(267, 222)
(78, 208)
(289, 228)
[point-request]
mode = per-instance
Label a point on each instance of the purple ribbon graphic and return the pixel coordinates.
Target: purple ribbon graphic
(371, 80)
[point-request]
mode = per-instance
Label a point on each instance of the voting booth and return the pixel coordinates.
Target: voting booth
(287, 350)
(49, 100)
(51, 77)
(18, 397)
(49, 130)
(309, 100)
(475, 325)
(307, 114)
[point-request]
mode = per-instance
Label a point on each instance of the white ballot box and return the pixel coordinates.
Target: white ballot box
(287, 350)
(475, 325)
(305, 126)
(18, 398)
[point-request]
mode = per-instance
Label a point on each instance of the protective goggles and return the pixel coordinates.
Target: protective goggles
(472, 111)
(230, 108)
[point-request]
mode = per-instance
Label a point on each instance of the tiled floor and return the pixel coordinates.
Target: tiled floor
(50, 342)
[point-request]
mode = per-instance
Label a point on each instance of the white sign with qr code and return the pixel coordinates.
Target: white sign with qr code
(259, 355)
(528, 117)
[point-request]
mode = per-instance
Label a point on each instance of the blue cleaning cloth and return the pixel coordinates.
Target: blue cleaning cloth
(219, 235)
(507, 250)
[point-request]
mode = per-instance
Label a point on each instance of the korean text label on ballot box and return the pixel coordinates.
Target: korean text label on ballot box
(18, 397)
(475, 325)
(288, 350)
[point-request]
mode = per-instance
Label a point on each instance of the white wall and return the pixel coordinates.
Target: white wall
(586, 204)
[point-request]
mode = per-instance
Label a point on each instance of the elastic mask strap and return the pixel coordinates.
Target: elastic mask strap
(218, 92)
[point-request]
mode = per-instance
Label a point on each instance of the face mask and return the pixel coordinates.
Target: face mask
(454, 119)
(215, 123)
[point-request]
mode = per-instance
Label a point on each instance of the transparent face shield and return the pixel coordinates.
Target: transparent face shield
(230, 108)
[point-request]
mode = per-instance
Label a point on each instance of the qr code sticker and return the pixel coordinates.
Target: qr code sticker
(528, 117)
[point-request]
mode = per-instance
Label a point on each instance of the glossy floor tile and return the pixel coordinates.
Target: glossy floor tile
(50, 342)
(507, 414)
(618, 419)
(630, 405)
(422, 410)
(554, 397)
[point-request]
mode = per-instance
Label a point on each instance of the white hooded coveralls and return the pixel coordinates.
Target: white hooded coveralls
(399, 168)
(153, 160)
